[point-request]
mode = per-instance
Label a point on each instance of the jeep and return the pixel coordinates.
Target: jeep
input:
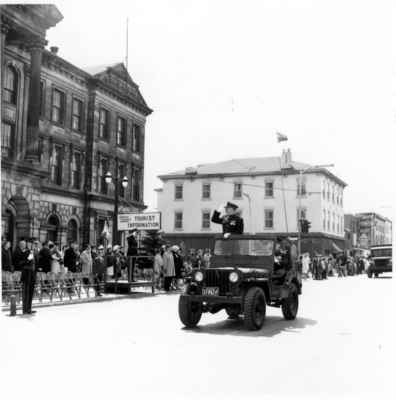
(246, 274)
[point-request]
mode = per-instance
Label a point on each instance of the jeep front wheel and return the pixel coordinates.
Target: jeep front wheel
(290, 304)
(190, 312)
(254, 308)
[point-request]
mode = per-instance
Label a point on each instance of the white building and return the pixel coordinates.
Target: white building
(266, 189)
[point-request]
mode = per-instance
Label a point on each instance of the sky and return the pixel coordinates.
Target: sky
(223, 76)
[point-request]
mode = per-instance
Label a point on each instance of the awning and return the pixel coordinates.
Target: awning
(336, 248)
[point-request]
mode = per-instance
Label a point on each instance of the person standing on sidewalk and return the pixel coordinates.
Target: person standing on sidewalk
(6, 257)
(24, 261)
(98, 269)
(169, 268)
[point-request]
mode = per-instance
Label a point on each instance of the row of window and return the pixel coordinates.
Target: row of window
(332, 222)
(237, 193)
(56, 173)
(58, 112)
(330, 193)
(206, 217)
(135, 179)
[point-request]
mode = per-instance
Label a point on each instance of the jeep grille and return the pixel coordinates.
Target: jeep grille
(215, 277)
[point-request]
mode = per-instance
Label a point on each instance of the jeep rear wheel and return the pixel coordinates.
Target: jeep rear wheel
(190, 312)
(254, 308)
(290, 304)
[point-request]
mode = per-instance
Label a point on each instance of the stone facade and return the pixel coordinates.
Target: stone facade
(52, 142)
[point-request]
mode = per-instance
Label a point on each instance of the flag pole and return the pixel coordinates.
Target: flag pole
(126, 49)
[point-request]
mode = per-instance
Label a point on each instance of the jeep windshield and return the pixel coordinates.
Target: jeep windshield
(251, 247)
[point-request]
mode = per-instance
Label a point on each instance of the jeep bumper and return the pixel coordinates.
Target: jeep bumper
(213, 299)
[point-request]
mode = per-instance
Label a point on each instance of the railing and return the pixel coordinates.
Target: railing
(51, 287)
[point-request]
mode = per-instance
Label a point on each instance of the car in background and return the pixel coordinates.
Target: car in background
(381, 260)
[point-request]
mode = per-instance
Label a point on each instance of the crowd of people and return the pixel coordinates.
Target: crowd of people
(340, 265)
(172, 265)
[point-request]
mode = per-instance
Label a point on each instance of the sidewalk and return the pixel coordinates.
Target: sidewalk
(80, 300)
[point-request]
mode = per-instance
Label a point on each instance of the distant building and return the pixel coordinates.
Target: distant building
(351, 227)
(267, 189)
(373, 229)
(63, 129)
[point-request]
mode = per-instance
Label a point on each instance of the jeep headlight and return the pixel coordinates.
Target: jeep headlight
(233, 277)
(198, 276)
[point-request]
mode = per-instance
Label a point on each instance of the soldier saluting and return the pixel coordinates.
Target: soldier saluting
(227, 215)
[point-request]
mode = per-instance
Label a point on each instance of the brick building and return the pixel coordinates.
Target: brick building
(63, 128)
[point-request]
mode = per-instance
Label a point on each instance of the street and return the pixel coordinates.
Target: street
(339, 346)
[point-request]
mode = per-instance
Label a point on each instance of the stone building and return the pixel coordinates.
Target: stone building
(63, 128)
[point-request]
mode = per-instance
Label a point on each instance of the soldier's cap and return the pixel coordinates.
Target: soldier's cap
(231, 205)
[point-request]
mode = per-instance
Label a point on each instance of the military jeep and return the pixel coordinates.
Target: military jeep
(246, 274)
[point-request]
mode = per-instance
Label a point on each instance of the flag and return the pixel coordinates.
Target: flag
(281, 137)
(106, 230)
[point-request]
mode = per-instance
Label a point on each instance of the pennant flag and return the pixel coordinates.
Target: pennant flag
(281, 137)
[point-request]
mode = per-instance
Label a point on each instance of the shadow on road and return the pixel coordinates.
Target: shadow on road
(272, 327)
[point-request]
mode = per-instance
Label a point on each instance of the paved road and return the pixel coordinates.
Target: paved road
(339, 345)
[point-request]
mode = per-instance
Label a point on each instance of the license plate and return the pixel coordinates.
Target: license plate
(210, 291)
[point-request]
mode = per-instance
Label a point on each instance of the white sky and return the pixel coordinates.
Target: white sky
(223, 76)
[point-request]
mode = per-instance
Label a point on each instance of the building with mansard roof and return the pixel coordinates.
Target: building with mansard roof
(63, 128)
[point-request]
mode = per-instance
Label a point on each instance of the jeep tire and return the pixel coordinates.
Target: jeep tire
(290, 304)
(190, 312)
(254, 308)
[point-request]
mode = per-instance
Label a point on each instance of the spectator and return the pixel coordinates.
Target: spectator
(86, 263)
(158, 268)
(6, 257)
(70, 260)
(117, 261)
(98, 269)
(45, 258)
(169, 268)
(132, 252)
(178, 263)
(36, 247)
(24, 261)
(206, 258)
(109, 261)
(56, 259)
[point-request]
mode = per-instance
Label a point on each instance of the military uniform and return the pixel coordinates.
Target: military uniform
(231, 223)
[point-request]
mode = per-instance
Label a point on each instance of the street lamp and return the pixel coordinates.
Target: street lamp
(299, 194)
(124, 183)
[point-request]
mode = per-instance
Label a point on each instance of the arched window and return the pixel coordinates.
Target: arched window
(10, 91)
(72, 231)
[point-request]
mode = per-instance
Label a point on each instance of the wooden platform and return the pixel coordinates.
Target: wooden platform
(124, 286)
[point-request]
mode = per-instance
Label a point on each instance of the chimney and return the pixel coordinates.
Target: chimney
(54, 49)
